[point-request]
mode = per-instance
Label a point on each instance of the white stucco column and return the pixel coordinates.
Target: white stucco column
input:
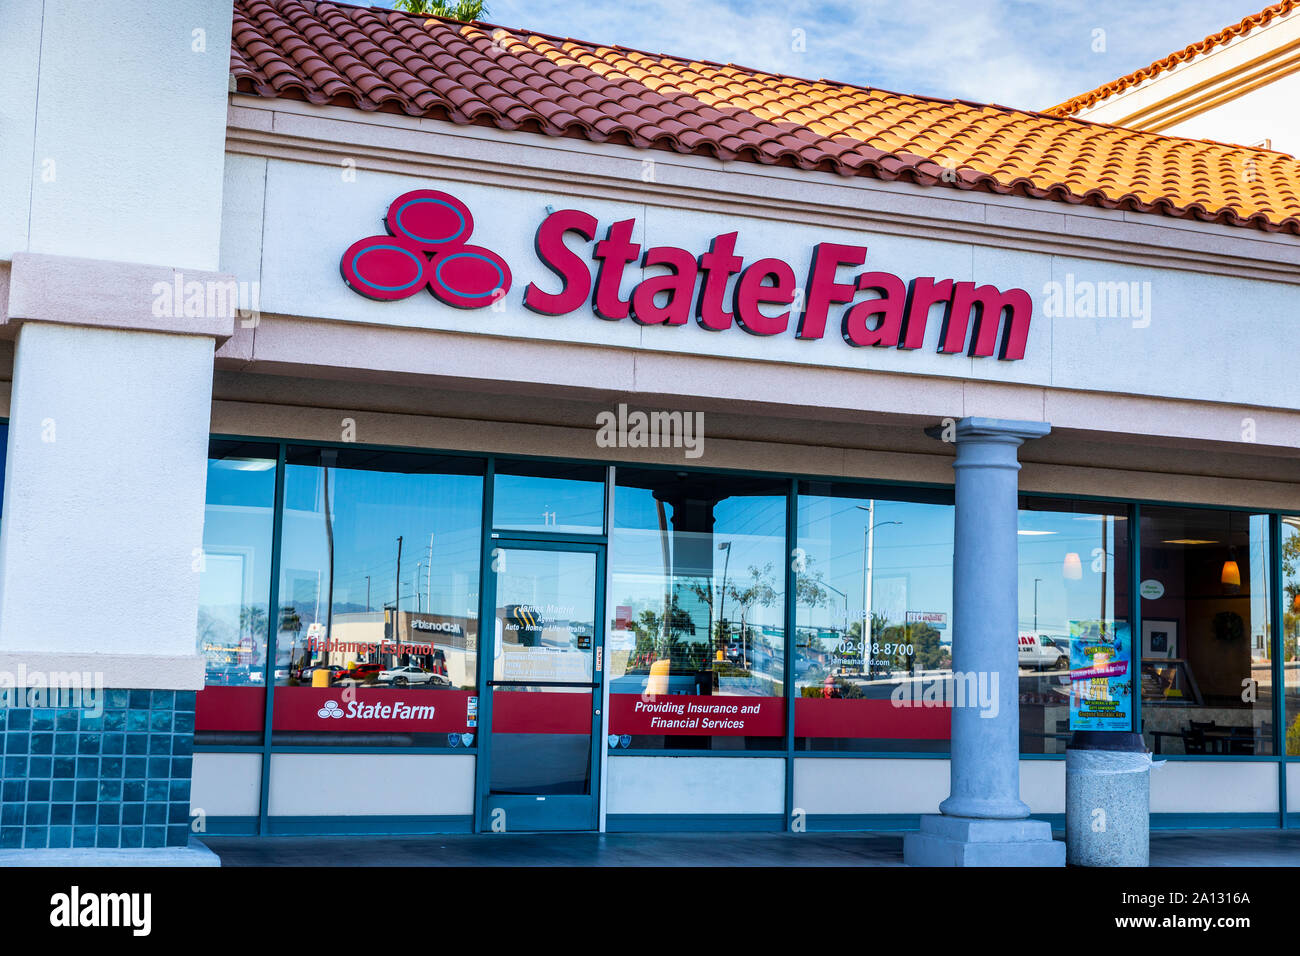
(984, 822)
(114, 176)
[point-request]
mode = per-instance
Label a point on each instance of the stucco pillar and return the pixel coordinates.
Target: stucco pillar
(110, 242)
(984, 822)
(101, 541)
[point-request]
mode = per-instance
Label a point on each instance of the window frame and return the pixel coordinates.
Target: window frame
(904, 489)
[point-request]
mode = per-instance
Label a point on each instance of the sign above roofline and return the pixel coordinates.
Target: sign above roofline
(427, 248)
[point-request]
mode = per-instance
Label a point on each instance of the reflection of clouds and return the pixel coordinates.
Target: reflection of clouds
(639, 577)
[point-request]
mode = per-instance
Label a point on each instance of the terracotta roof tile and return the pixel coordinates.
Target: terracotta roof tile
(326, 52)
(1227, 34)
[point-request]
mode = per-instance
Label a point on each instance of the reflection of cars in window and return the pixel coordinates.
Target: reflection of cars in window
(305, 673)
(1041, 652)
(358, 674)
(410, 674)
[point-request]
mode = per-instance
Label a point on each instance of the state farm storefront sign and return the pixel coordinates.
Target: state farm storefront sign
(374, 709)
(727, 286)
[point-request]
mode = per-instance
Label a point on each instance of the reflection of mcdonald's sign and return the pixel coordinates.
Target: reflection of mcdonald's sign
(525, 623)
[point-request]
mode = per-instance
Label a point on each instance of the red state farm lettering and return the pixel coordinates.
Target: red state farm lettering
(882, 311)
(678, 285)
(752, 291)
(823, 289)
(398, 710)
(613, 253)
(566, 264)
(984, 305)
(886, 310)
(717, 266)
(922, 293)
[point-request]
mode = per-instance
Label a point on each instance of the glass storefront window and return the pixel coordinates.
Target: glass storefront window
(1073, 585)
(697, 638)
(870, 563)
(1291, 630)
(235, 592)
(1206, 674)
(377, 627)
(549, 496)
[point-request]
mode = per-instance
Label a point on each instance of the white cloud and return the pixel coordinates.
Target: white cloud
(1027, 53)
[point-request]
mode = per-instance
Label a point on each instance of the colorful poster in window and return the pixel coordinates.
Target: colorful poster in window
(1101, 682)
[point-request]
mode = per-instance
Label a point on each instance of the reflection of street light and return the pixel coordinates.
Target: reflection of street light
(722, 607)
(844, 632)
(869, 545)
(846, 604)
(1036, 580)
(397, 584)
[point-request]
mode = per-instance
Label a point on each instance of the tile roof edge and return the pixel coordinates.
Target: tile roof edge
(924, 97)
(1190, 52)
(903, 166)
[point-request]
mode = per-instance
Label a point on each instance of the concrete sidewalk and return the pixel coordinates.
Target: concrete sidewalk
(1235, 848)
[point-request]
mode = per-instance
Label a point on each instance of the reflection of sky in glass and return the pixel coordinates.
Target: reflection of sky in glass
(1258, 583)
(437, 515)
(526, 503)
(1047, 539)
(911, 561)
(235, 584)
(753, 526)
(561, 583)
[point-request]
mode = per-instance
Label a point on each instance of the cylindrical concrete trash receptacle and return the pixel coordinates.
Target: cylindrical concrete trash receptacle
(1107, 800)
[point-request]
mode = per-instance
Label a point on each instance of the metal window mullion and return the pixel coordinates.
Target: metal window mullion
(486, 644)
(272, 628)
(602, 792)
(791, 645)
(1135, 609)
(1277, 648)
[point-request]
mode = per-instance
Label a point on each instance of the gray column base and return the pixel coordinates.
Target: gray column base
(967, 841)
(196, 854)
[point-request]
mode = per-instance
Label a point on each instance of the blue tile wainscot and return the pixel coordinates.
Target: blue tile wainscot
(116, 775)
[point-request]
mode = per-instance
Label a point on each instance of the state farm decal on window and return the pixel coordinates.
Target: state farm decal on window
(428, 248)
(696, 715)
(346, 709)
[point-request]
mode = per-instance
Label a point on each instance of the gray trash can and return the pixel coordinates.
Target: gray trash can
(1107, 799)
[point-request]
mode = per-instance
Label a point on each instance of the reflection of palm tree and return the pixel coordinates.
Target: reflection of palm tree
(207, 625)
(291, 623)
(252, 619)
(702, 589)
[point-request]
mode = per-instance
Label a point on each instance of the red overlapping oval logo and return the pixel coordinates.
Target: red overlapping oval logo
(427, 246)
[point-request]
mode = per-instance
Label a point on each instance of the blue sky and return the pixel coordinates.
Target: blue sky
(1026, 53)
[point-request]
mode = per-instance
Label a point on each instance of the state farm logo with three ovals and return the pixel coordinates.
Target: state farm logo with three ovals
(427, 247)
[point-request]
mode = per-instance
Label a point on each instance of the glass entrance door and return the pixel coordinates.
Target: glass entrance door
(545, 686)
